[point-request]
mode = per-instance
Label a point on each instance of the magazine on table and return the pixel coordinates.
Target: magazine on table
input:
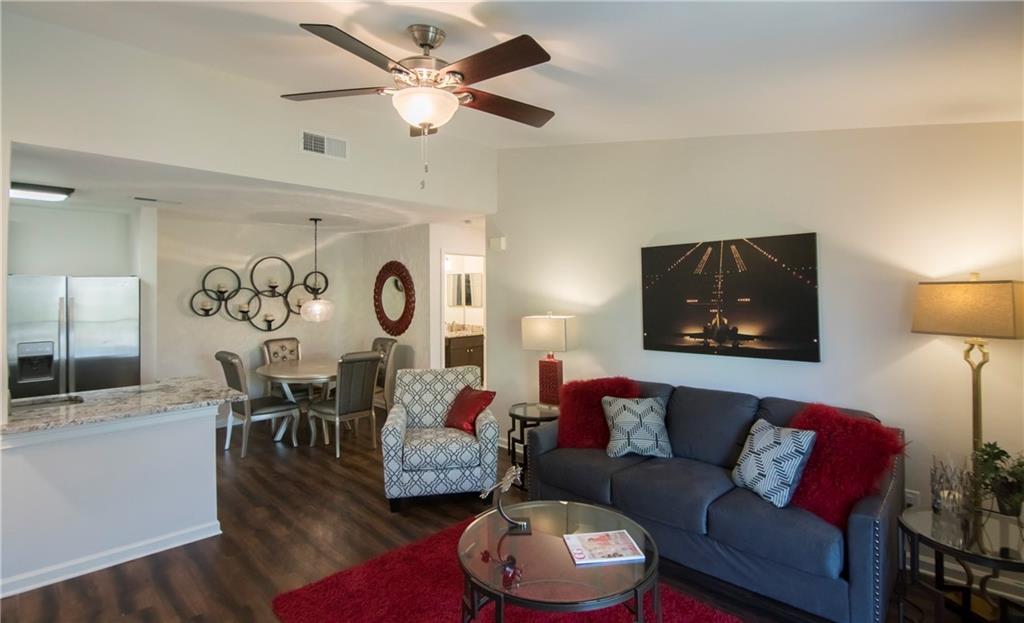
(590, 548)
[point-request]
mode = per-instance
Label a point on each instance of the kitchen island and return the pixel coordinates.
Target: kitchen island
(97, 478)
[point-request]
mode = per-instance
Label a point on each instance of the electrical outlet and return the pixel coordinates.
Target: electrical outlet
(911, 497)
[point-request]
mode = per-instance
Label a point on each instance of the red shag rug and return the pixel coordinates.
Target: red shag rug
(422, 583)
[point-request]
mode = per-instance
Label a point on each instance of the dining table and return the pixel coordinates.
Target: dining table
(307, 371)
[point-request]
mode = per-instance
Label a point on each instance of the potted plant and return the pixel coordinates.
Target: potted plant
(1001, 475)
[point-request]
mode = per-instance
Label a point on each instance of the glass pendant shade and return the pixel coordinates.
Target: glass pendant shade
(421, 106)
(317, 310)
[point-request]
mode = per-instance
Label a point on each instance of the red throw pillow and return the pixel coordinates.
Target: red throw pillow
(581, 422)
(849, 457)
(468, 404)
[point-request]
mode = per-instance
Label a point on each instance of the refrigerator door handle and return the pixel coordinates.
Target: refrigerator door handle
(71, 344)
(62, 360)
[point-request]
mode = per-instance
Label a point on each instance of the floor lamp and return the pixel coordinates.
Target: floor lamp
(977, 311)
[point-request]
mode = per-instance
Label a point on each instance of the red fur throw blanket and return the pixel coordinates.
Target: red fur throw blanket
(849, 457)
(581, 422)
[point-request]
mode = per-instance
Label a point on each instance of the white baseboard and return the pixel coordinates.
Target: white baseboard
(101, 560)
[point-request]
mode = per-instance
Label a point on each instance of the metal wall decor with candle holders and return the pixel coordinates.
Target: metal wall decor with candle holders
(245, 303)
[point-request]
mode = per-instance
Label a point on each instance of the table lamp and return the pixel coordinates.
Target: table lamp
(976, 310)
(554, 334)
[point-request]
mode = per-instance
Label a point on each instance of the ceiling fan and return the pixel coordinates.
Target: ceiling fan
(428, 90)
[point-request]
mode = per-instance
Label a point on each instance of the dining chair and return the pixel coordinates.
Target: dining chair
(353, 398)
(252, 409)
(284, 349)
(383, 388)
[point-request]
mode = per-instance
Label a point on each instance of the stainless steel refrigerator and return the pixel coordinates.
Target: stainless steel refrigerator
(68, 334)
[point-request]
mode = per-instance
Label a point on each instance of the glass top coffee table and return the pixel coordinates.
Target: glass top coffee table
(536, 571)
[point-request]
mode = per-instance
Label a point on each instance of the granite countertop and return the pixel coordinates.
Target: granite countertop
(104, 405)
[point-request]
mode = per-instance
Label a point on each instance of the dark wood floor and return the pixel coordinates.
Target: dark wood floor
(289, 516)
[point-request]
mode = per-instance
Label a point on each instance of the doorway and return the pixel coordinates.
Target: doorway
(464, 317)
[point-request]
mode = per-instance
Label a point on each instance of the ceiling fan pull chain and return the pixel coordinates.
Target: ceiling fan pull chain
(423, 155)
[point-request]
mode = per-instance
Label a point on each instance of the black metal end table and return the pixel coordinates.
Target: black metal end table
(987, 540)
(526, 415)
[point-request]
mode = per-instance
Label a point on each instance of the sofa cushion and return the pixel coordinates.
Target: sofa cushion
(469, 403)
(675, 492)
(636, 426)
(772, 461)
(439, 448)
(789, 536)
(781, 411)
(587, 472)
(709, 425)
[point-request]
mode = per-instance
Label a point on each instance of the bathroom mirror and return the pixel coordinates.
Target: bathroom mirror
(465, 289)
(473, 290)
(453, 289)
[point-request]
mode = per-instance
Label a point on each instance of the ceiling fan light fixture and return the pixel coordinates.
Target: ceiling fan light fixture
(425, 106)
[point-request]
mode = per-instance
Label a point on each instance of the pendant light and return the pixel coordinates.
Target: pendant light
(317, 310)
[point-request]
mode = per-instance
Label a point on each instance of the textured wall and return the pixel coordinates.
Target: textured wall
(187, 249)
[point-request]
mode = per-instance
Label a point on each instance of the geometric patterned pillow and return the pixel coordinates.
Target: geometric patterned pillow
(773, 460)
(636, 425)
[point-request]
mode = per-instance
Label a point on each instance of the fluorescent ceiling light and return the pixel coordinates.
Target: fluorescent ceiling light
(39, 192)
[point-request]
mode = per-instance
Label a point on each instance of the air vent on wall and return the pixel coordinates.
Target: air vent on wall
(323, 145)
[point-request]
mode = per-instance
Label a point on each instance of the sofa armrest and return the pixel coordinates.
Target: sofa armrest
(871, 547)
(392, 441)
(539, 440)
(486, 427)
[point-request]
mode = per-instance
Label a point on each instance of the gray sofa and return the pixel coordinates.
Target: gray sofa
(699, 519)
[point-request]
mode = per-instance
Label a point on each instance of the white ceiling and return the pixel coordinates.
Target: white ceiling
(622, 70)
(105, 182)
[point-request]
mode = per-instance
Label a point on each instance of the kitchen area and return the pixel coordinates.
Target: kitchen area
(99, 463)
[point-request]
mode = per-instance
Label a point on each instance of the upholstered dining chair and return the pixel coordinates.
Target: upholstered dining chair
(384, 388)
(424, 457)
(284, 349)
(353, 398)
(252, 409)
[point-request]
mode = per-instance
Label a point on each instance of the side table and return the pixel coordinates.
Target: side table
(1000, 550)
(526, 415)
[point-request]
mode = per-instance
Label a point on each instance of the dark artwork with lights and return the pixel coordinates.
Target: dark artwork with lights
(748, 297)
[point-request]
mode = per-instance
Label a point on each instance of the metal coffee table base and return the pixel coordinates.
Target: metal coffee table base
(477, 596)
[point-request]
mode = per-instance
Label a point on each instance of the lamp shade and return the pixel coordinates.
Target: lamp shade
(549, 333)
(980, 309)
(317, 310)
(421, 106)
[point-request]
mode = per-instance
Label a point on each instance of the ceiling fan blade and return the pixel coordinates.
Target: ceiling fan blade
(415, 132)
(503, 58)
(505, 107)
(349, 43)
(319, 95)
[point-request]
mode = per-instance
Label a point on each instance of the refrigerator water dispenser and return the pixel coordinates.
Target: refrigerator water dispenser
(35, 362)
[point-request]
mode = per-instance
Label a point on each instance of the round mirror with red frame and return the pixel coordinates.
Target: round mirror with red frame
(394, 298)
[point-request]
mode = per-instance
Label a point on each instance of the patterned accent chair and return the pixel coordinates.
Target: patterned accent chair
(424, 457)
